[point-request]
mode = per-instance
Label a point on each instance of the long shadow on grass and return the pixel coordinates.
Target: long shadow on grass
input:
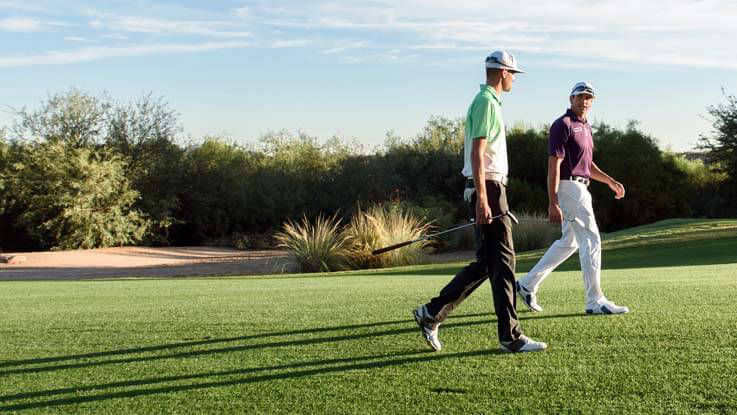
(151, 381)
(207, 340)
(343, 365)
(241, 348)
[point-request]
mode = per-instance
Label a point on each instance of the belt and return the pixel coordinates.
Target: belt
(493, 177)
(580, 179)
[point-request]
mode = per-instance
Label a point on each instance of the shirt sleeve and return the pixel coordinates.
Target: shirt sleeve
(482, 120)
(558, 139)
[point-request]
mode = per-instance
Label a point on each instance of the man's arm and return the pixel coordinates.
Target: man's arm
(598, 175)
(554, 213)
(483, 212)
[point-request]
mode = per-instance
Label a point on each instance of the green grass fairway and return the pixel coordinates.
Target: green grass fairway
(346, 343)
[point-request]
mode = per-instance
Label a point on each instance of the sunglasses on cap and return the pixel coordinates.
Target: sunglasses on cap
(582, 89)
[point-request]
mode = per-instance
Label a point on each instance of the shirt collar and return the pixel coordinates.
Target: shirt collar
(491, 90)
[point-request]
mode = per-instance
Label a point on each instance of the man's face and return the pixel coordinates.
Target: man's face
(507, 80)
(581, 103)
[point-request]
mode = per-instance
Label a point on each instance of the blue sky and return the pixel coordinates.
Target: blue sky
(360, 69)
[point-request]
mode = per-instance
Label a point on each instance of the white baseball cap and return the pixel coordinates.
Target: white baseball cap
(502, 59)
(583, 88)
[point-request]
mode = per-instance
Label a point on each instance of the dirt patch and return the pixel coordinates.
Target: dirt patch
(127, 262)
(145, 262)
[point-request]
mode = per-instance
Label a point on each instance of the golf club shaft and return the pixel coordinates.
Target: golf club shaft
(405, 243)
(393, 247)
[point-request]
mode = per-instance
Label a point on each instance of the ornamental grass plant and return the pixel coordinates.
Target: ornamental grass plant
(325, 246)
(317, 247)
(384, 225)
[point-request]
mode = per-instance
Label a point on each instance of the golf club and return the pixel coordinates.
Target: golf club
(405, 243)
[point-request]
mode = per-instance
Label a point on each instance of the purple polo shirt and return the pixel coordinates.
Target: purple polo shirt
(571, 140)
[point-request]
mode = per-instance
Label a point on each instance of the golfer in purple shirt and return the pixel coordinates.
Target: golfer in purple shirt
(570, 170)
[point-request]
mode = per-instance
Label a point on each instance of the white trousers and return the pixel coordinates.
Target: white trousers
(579, 231)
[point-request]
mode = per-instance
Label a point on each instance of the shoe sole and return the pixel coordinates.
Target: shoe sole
(507, 350)
(604, 312)
(418, 320)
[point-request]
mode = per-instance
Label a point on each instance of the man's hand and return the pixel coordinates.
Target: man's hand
(617, 188)
(483, 212)
(555, 215)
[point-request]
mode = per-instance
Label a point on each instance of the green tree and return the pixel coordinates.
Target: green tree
(76, 197)
(145, 133)
(722, 144)
(656, 188)
(4, 163)
(218, 198)
(74, 118)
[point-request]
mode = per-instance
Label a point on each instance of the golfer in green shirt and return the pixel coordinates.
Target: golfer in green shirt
(486, 170)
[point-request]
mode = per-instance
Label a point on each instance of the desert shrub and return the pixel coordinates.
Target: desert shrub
(318, 246)
(527, 196)
(142, 134)
(384, 225)
(145, 133)
(74, 118)
(76, 197)
(219, 197)
(707, 184)
(441, 214)
(722, 145)
(534, 232)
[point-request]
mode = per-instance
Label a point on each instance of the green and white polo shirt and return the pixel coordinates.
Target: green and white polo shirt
(484, 119)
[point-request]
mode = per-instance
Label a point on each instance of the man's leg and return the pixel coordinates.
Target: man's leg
(501, 262)
(589, 252)
(466, 281)
(501, 273)
(558, 252)
(430, 315)
(589, 246)
(462, 285)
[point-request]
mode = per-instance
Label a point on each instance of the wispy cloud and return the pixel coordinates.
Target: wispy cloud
(77, 39)
(26, 24)
(21, 24)
(151, 25)
(101, 20)
(292, 43)
(22, 6)
(97, 53)
(114, 36)
(569, 32)
(679, 32)
(343, 46)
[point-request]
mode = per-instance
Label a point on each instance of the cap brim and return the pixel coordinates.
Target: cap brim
(583, 92)
(498, 66)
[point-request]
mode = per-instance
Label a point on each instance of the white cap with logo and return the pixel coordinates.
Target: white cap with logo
(502, 59)
(583, 88)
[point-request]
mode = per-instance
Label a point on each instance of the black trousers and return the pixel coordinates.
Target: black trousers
(495, 260)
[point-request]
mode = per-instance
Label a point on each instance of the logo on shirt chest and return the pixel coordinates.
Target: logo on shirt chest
(577, 129)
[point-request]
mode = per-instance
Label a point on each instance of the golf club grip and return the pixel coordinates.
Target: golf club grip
(391, 247)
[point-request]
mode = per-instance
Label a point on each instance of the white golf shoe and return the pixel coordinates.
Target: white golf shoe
(428, 326)
(607, 307)
(529, 298)
(528, 345)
